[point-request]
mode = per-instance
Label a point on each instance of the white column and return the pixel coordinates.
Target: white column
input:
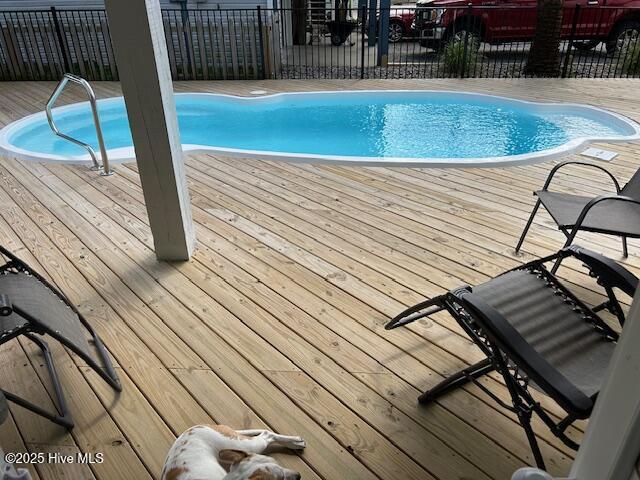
(611, 445)
(138, 39)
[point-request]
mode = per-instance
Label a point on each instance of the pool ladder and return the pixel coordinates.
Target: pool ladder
(104, 169)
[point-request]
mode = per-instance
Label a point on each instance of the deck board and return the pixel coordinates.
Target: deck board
(277, 320)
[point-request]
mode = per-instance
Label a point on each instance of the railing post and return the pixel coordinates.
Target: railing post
(383, 33)
(372, 21)
(466, 41)
(63, 51)
(363, 27)
(572, 35)
(260, 36)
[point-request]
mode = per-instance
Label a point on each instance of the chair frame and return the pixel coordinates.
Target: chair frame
(571, 233)
(62, 416)
(510, 355)
(4, 408)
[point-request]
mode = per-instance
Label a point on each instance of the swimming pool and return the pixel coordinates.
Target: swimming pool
(415, 128)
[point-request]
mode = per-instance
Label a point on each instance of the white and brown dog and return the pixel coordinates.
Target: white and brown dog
(217, 452)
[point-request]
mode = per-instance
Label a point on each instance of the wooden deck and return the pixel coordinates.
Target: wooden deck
(277, 320)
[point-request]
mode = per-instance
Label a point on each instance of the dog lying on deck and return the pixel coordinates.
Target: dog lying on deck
(217, 452)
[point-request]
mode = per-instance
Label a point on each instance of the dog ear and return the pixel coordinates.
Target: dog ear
(228, 458)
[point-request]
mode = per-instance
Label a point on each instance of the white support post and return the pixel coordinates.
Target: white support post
(611, 444)
(137, 35)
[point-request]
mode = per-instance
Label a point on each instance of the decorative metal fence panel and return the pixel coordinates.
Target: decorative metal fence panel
(467, 41)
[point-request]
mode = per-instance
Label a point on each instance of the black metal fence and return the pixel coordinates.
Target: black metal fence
(467, 41)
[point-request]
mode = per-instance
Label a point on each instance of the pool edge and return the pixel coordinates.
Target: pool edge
(127, 154)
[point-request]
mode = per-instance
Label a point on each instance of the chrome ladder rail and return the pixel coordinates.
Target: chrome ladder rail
(68, 77)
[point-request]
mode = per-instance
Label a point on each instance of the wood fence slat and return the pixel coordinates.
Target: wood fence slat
(77, 49)
(108, 48)
(234, 50)
(190, 49)
(50, 57)
(221, 48)
(99, 58)
(183, 50)
(170, 50)
(213, 41)
(88, 47)
(202, 48)
(35, 48)
(7, 60)
(245, 65)
(17, 54)
(209, 45)
(253, 40)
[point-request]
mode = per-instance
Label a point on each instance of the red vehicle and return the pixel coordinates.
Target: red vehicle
(499, 21)
(401, 22)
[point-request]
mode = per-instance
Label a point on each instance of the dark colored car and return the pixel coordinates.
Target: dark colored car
(497, 21)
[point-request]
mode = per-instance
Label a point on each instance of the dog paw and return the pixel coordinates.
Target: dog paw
(298, 443)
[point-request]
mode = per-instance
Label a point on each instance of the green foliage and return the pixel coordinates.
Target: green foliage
(456, 58)
(630, 55)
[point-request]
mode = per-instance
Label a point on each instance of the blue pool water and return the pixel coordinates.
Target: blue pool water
(346, 125)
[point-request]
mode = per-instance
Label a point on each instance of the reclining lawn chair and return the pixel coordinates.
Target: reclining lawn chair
(535, 333)
(617, 214)
(30, 305)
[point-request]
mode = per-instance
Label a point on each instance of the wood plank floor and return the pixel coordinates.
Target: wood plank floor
(278, 319)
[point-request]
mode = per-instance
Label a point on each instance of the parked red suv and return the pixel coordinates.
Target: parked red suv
(498, 21)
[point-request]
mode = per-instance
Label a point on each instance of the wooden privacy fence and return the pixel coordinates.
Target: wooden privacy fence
(201, 44)
(221, 44)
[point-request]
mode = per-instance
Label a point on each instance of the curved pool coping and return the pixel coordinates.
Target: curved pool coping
(125, 154)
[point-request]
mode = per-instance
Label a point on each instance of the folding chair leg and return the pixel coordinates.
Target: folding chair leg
(625, 248)
(63, 416)
(457, 380)
(523, 410)
(525, 420)
(569, 241)
(526, 228)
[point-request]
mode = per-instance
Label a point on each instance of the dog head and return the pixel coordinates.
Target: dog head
(251, 466)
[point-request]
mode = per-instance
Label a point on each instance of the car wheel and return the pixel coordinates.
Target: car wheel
(472, 38)
(396, 32)
(622, 35)
(585, 45)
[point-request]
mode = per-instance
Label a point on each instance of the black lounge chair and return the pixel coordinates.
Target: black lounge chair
(30, 305)
(612, 214)
(535, 333)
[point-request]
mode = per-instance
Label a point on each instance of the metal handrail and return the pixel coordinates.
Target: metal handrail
(68, 77)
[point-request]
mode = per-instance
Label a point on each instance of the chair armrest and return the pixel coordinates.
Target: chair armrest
(6, 308)
(611, 272)
(586, 164)
(509, 340)
(595, 201)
